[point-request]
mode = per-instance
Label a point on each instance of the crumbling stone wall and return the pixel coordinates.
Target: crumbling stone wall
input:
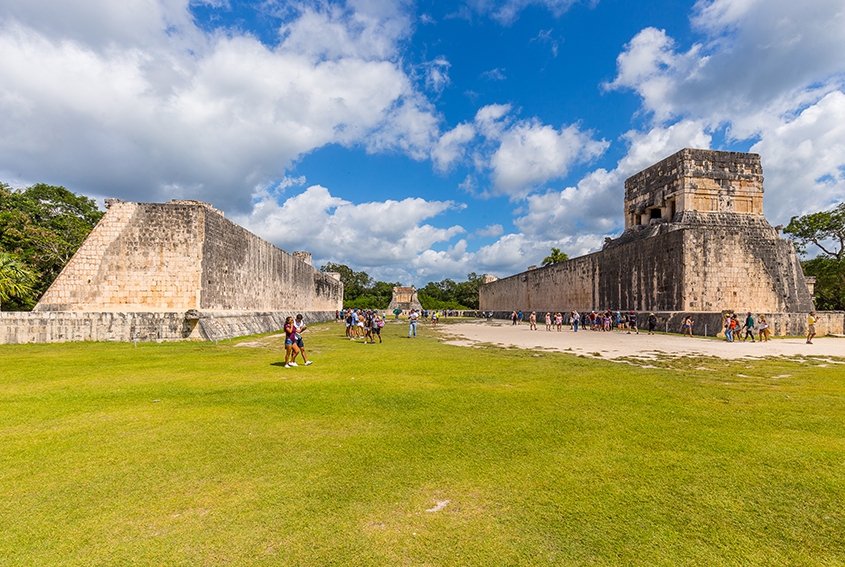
(404, 298)
(694, 180)
(184, 255)
(725, 256)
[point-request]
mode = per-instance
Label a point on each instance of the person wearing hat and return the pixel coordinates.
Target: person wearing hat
(652, 323)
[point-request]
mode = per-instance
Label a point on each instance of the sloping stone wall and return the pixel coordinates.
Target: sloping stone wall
(184, 255)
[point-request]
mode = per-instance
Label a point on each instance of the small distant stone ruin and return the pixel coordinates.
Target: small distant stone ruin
(404, 298)
(173, 271)
(695, 242)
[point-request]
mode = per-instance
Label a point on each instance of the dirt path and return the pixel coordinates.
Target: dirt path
(618, 344)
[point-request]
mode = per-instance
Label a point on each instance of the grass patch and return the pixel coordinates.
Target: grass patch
(413, 452)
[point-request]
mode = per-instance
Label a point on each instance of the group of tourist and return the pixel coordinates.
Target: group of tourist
(603, 321)
(367, 325)
(364, 324)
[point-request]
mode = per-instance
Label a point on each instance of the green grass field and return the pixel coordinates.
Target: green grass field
(414, 453)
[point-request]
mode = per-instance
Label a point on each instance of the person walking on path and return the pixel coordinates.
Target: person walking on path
(749, 327)
(632, 322)
(688, 326)
(764, 329)
(652, 323)
(811, 327)
(290, 343)
(412, 323)
(548, 321)
(300, 326)
(532, 320)
(513, 318)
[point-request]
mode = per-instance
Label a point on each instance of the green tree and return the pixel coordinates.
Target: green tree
(556, 257)
(359, 289)
(448, 294)
(43, 226)
(15, 279)
(825, 230)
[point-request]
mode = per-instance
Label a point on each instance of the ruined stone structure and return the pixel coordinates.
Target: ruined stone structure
(404, 298)
(173, 271)
(695, 241)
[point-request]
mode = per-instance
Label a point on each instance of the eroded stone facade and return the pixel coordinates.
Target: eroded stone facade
(695, 241)
(404, 298)
(185, 255)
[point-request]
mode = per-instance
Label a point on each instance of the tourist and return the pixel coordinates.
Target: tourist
(513, 318)
(652, 323)
(378, 323)
(412, 323)
(764, 329)
(632, 323)
(396, 313)
(300, 326)
(576, 318)
(688, 326)
(349, 334)
(434, 319)
(559, 321)
(357, 323)
(811, 327)
(749, 327)
(532, 320)
(733, 327)
(519, 317)
(290, 343)
(548, 321)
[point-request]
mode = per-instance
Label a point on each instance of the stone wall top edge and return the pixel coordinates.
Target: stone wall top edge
(544, 269)
(682, 159)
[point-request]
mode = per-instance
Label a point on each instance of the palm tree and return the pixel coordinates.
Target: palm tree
(556, 257)
(15, 279)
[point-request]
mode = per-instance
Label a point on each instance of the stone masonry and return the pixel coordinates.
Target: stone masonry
(695, 241)
(404, 298)
(184, 255)
(173, 271)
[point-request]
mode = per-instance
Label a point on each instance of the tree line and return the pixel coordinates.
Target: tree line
(41, 227)
(360, 290)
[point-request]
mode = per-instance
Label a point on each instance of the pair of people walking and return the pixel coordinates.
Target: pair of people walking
(294, 345)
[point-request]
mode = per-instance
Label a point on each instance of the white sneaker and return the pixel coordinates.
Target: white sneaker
(287, 365)
(294, 364)
(307, 363)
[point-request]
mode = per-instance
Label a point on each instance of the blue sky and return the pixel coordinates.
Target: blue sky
(418, 140)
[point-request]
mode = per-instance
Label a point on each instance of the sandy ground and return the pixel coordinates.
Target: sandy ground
(618, 344)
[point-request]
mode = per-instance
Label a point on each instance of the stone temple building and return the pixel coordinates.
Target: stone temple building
(404, 298)
(169, 271)
(695, 241)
